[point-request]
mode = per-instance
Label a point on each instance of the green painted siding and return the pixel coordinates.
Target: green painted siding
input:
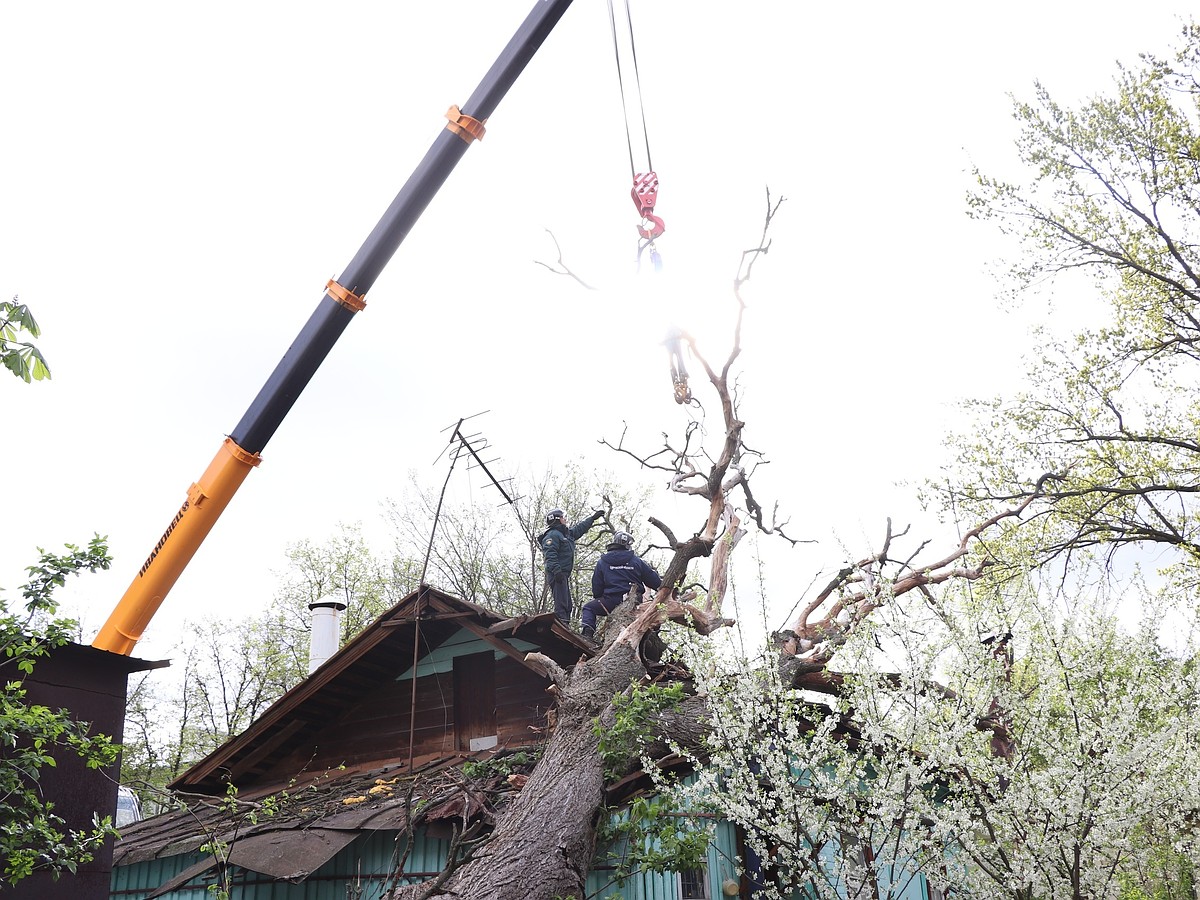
(441, 659)
(136, 881)
(362, 871)
(722, 864)
(365, 863)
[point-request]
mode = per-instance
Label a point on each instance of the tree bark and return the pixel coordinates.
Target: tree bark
(543, 845)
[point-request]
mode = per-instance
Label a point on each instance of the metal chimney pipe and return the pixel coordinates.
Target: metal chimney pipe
(326, 620)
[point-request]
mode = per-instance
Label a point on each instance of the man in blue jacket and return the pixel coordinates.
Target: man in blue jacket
(618, 571)
(558, 549)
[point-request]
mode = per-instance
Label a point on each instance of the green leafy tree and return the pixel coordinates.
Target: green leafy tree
(343, 568)
(20, 357)
(232, 674)
(1105, 435)
(1064, 765)
(32, 737)
(232, 671)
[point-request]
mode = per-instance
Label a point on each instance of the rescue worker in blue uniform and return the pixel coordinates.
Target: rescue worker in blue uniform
(618, 570)
(558, 550)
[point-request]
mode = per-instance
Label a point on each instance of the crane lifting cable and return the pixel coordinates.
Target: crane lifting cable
(645, 183)
(645, 188)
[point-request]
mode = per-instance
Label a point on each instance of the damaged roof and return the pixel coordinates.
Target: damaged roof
(297, 830)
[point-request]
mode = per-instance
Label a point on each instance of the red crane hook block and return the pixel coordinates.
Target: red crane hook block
(645, 194)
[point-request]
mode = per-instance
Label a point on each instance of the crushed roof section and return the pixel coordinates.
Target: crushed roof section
(289, 834)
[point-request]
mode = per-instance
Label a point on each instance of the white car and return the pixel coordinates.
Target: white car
(129, 809)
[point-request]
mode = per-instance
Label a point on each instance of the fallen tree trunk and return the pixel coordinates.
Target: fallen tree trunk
(544, 844)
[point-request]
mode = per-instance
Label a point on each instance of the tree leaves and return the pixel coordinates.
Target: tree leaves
(1111, 208)
(32, 836)
(21, 358)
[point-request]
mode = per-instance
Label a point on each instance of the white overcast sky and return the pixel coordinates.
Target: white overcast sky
(180, 180)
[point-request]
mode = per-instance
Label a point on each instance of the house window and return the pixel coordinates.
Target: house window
(475, 701)
(693, 884)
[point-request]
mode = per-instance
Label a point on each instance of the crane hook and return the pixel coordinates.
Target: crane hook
(654, 229)
(645, 195)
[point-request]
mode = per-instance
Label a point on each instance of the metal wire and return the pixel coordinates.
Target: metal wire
(612, 18)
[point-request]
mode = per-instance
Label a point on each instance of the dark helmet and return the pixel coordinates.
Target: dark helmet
(554, 515)
(623, 539)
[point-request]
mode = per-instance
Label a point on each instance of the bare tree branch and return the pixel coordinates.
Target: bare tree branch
(559, 267)
(859, 589)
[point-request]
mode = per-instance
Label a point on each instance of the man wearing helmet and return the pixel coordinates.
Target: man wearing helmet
(558, 549)
(619, 572)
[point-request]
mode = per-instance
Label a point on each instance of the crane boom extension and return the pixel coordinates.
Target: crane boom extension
(207, 498)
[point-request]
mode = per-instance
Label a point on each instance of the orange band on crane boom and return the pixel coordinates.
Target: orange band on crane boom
(206, 500)
(352, 301)
(466, 127)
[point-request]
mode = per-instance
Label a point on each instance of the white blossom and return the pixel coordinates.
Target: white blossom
(1059, 762)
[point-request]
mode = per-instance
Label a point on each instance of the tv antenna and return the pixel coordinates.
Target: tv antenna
(469, 447)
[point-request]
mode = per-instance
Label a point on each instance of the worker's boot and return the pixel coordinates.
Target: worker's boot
(589, 633)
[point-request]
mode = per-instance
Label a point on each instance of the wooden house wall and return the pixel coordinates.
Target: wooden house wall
(376, 729)
(521, 703)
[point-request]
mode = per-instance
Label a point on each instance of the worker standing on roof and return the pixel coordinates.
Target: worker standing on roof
(558, 550)
(619, 573)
